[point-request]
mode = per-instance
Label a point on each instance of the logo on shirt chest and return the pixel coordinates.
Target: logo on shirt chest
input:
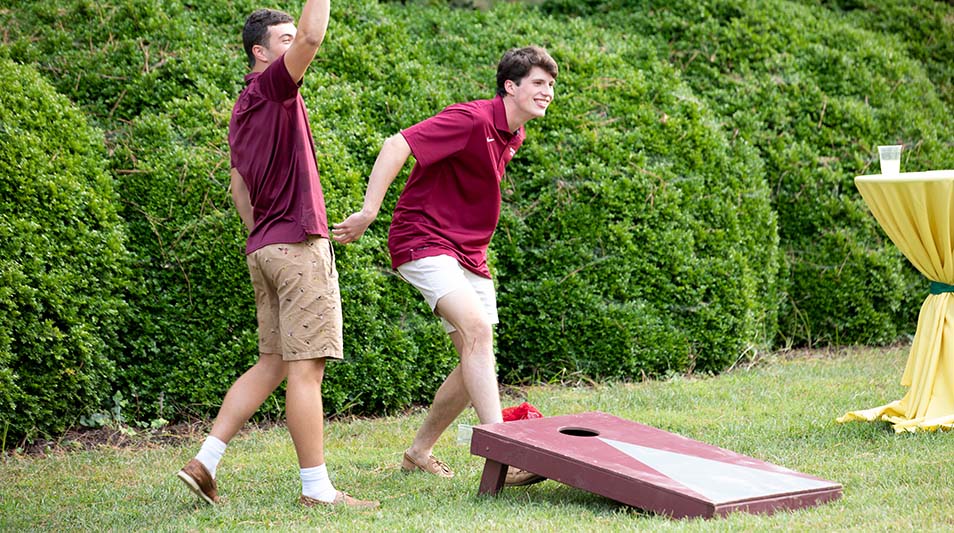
(513, 151)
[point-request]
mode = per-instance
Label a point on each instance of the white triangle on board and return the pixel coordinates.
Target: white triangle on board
(718, 481)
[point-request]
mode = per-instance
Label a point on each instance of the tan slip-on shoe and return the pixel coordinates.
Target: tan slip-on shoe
(434, 466)
(342, 498)
(197, 477)
(517, 477)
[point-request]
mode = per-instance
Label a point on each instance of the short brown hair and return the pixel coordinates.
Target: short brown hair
(256, 29)
(516, 63)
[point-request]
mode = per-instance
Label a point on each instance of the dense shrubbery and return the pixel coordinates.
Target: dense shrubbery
(638, 240)
(193, 330)
(62, 262)
(638, 235)
(924, 29)
(814, 95)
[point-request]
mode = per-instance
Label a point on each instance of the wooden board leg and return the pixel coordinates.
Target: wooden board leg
(495, 474)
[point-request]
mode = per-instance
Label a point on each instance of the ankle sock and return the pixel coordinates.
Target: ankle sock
(316, 484)
(211, 453)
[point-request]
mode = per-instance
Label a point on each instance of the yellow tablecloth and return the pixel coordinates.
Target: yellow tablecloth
(916, 210)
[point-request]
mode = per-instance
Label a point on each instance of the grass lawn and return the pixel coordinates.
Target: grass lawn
(782, 411)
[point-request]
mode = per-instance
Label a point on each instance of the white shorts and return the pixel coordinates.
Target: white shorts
(440, 275)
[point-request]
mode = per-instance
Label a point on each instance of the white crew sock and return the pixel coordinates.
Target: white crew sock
(211, 453)
(316, 484)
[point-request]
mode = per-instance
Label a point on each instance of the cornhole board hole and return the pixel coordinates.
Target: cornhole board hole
(642, 466)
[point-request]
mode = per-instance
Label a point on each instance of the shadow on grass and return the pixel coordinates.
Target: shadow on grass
(552, 495)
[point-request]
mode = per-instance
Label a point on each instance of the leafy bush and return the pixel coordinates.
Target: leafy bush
(639, 239)
(197, 331)
(814, 95)
(634, 327)
(62, 262)
(638, 235)
(194, 328)
(120, 58)
(922, 28)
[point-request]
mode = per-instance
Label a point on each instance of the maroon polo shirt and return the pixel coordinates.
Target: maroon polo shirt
(272, 148)
(451, 202)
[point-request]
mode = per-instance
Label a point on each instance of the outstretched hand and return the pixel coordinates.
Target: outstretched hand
(352, 228)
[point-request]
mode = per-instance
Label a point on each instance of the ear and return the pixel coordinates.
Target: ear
(510, 87)
(258, 51)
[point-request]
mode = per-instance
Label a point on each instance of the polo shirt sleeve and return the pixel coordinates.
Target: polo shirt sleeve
(276, 84)
(440, 136)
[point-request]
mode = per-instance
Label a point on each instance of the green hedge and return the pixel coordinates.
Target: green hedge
(682, 236)
(689, 190)
(814, 95)
(62, 262)
(924, 29)
(638, 239)
(196, 328)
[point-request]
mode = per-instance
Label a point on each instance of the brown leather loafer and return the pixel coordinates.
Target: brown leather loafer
(433, 466)
(517, 477)
(342, 498)
(197, 477)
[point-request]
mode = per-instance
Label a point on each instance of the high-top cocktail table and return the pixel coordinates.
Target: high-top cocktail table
(916, 210)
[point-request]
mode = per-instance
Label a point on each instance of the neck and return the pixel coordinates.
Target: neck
(515, 118)
(259, 66)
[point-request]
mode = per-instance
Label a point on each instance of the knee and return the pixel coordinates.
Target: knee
(477, 331)
(273, 366)
(307, 370)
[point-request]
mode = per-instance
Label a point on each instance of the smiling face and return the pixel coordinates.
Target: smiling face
(529, 98)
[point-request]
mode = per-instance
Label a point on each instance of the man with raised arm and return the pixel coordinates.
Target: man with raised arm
(277, 192)
(442, 226)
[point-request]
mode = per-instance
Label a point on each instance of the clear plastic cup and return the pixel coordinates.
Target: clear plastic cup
(464, 432)
(890, 159)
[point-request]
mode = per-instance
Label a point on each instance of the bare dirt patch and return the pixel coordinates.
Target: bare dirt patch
(83, 439)
(80, 439)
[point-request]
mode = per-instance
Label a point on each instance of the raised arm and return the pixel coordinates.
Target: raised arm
(311, 32)
(393, 155)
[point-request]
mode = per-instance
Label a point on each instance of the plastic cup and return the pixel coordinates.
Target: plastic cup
(464, 432)
(890, 159)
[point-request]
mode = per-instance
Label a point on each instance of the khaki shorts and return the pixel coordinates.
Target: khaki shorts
(440, 275)
(297, 300)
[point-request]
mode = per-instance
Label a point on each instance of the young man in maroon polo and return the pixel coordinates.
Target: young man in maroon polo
(442, 226)
(277, 192)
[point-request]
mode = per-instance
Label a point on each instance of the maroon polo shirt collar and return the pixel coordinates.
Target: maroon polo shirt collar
(500, 116)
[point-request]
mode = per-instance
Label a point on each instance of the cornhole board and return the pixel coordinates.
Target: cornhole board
(642, 466)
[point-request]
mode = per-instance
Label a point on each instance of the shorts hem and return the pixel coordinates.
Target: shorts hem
(303, 356)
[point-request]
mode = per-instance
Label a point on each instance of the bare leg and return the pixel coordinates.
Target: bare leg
(462, 309)
(449, 402)
(473, 381)
(305, 412)
(246, 395)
